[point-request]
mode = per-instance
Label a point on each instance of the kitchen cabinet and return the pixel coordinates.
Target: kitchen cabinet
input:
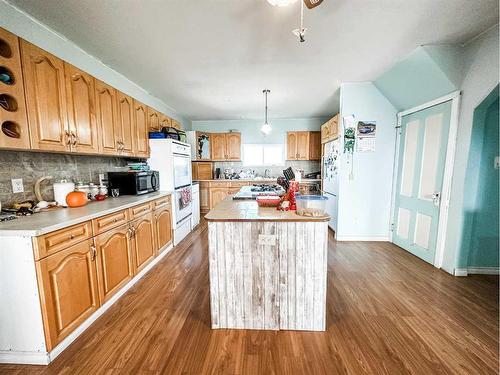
(297, 145)
(163, 227)
(202, 170)
(143, 241)
(107, 118)
(165, 121)
(225, 146)
(126, 124)
(204, 197)
(80, 103)
(176, 124)
(14, 132)
(68, 290)
(45, 98)
(114, 261)
(315, 146)
(141, 138)
(218, 194)
(330, 130)
(153, 120)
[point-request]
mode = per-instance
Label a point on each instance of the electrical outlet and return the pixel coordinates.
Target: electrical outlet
(17, 185)
(267, 240)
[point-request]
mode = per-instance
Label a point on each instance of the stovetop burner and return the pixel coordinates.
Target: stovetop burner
(264, 188)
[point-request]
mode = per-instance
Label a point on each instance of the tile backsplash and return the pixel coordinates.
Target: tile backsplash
(307, 166)
(32, 165)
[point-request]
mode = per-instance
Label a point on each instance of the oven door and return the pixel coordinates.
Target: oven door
(183, 203)
(182, 170)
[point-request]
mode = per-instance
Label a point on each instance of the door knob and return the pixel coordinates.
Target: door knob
(436, 198)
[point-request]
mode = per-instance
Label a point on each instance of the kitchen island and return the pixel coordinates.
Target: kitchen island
(267, 268)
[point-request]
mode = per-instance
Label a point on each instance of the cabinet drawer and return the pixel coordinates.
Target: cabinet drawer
(162, 202)
(140, 210)
(53, 242)
(110, 221)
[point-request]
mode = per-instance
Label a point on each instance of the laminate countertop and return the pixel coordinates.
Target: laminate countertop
(49, 221)
(257, 181)
(248, 210)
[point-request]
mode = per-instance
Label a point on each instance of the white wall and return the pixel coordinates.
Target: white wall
(365, 199)
(482, 67)
(32, 30)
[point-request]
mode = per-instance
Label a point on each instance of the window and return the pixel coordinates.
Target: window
(255, 155)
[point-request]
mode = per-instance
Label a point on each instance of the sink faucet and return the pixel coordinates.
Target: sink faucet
(265, 173)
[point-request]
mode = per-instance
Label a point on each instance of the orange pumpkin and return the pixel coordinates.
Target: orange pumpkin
(76, 199)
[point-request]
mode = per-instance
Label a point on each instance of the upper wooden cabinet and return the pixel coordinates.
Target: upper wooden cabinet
(13, 117)
(315, 146)
(80, 103)
(114, 261)
(202, 170)
(330, 129)
(165, 121)
(126, 124)
(225, 146)
(68, 290)
(303, 145)
(107, 118)
(141, 146)
(297, 145)
(45, 98)
(153, 120)
(176, 124)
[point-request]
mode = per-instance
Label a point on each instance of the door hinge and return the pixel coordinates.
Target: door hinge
(392, 227)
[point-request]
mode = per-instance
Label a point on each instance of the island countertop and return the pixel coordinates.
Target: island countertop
(248, 210)
(49, 221)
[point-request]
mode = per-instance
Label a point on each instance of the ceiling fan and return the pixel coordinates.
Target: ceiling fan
(310, 4)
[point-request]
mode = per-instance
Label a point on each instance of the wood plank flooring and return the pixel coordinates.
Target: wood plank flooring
(387, 313)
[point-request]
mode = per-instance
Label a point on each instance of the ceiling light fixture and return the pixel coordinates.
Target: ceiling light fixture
(281, 3)
(266, 128)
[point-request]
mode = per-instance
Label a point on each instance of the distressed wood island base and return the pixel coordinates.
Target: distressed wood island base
(267, 268)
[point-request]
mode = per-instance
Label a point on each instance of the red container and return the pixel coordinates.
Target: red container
(268, 200)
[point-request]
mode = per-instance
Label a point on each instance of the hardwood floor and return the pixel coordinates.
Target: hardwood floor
(388, 313)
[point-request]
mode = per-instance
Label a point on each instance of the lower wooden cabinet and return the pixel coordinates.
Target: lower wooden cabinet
(68, 290)
(143, 241)
(217, 194)
(163, 227)
(114, 261)
(204, 197)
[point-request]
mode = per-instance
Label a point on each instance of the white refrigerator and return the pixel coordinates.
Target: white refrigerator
(330, 177)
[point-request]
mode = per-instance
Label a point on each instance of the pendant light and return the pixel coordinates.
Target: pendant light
(266, 128)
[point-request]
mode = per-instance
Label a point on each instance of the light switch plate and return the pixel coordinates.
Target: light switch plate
(17, 185)
(267, 240)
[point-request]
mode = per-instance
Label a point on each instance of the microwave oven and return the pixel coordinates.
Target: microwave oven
(134, 182)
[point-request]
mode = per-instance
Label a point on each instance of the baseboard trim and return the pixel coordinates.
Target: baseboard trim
(44, 358)
(477, 271)
(362, 238)
(483, 270)
(24, 358)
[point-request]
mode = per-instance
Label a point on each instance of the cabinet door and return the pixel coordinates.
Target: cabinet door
(80, 101)
(334, 127)
(204, 197)
(126, 123)
(314, 145)
(233, 146)
(45, 98)
(217, 195)
(165, 121)
(141, 130)
(114, 261)
(153, 120)
(143, 241)
(107, 118)
(68, 290)
(13, 117)
(163, 227)
(291, 146)
(302, 145)
(204, 171)
(325, 132)
(218, 145)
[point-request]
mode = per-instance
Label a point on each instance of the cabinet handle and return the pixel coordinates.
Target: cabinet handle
(129, 232)
(72, 236)
(67, 138)
(93, 253)
(75, 138)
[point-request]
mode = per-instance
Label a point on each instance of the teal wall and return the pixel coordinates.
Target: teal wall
(426, 74)
(250, 129)
(480, 240)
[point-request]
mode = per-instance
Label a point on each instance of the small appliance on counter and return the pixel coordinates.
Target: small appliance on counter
(134, 182)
